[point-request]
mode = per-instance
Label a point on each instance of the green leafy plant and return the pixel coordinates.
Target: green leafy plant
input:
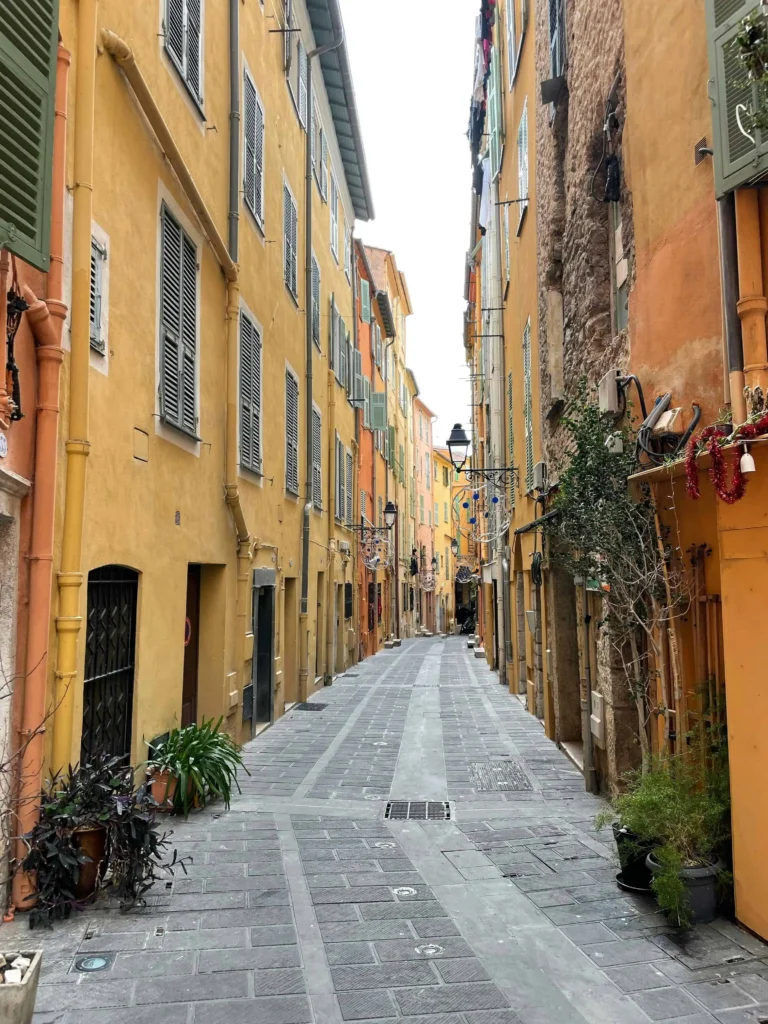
(202, 760)
(681, 805)
(750, 46)
(97, 794)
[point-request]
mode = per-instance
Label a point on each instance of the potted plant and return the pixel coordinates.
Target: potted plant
(680, 806)
(19, 976)
(193, 765)
(635, 875)
(93, 830)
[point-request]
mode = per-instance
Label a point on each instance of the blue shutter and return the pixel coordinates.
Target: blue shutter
(28, 44)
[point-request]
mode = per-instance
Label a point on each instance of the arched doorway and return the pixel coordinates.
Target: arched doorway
(110, 657)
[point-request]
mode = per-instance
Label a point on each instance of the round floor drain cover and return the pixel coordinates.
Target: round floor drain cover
(384, 846)
(404, 890)
(430, 949)
(381, 744)
(89, 964)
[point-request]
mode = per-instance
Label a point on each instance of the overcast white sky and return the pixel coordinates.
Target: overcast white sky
(412, 69)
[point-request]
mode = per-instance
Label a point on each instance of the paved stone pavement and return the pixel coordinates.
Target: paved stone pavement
(304, 906)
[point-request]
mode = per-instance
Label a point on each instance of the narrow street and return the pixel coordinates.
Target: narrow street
(304, 905)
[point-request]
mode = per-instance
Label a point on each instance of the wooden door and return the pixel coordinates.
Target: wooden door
(191, 647)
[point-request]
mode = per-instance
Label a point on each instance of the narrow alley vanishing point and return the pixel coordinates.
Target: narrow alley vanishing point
(304, 904)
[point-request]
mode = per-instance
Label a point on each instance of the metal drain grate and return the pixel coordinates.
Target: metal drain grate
(495, 776)
(418, 810)
(309, 706)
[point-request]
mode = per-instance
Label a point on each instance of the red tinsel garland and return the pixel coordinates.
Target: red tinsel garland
(710, 441)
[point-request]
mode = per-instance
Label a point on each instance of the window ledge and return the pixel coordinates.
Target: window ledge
(255, 218)
(294, 298)
(196, 101)
(181, 430)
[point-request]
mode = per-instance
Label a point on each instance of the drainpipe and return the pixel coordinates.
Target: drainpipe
(47, 322)
(234, 127)
(70, 576)
(752, 305)
(338, 39)
(356, 483)
(729, 283)
(590, 776)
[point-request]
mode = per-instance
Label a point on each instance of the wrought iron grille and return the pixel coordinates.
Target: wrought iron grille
(110, 646)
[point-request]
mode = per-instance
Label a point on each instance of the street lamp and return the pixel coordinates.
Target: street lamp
(435, 563)
(458, 447)
(390, 514)
(454, 547)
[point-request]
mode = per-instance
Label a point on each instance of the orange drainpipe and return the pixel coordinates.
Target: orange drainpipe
(47, 321)
(752, 304)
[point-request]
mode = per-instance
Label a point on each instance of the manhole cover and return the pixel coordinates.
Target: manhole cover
(418, 810)
(89, 964)
(385, 846)
(309, 706)
(404, 890)
(492, 776)
(430, 949)
(380, 744)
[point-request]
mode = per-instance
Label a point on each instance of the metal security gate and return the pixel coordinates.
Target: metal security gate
(110, 646)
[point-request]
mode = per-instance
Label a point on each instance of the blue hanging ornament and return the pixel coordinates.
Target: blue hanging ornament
(495, 500)
(465, 504)
(476, 496)
(473, 520)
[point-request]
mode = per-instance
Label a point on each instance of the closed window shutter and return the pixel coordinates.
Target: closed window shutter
(178, 325)
(174, 31)
(97, 260)
(363, 506)
(340, 481)
(250, 395)
(290, 229)
(254, 151)
(313, 138)
(350, 369)
(421, 508)
(357, 393)
(336, 337)
(366, 403)
(303, 98)
(334, 207)
(379, 410)
(189, 337)
(495, 115)
(287, 36)
(511, 432)
(349, 491)
(291, 433)
(391, 443)
(511, 41)
(332, 333)
(323, 165)
(28, 45)
(317, 460)
(528, 406)
(315, 302)
(341, 376)
(194, 53)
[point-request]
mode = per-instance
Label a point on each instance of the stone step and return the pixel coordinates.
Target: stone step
(479, 652)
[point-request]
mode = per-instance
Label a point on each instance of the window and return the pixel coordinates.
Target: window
(427, 474)
(511, 42)
(341, 501)
(178, 325)
(315, 301)
(250, 394)
(319, 148)
(253, 151)
(506, 247)
(528, 406)
(358, 390)
(511, 431)
(341, 362)
(29, 43)
(291, 432)
(429, 517)
(347, 251)
(421, 426)
(334, 207)
(557, 42)
(333, 336)
(363, 505)
(365, 301)
(437, 513)
(434, 468)
(347, 600)
(349, 491)
(620, 272)
(421, 508)
(317, 459)
(522, 164)
(495, 117)
(291, 242)
(380, 519)
(184, 42)
(445, 511)
(366, 403)
(378, 602)
(98, 257)
(295, 64)
(446, 477)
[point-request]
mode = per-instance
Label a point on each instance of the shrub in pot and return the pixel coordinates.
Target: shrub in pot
(194, 765)
(93, 830)
(681, 805)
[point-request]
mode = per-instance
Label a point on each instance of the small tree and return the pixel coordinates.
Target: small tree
(610, 532)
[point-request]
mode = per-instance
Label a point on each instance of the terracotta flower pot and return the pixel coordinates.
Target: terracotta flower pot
(93, 843)
(163, 789)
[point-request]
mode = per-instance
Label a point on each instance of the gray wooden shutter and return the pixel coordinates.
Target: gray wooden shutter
(291, 433)
(511, 433)
(557, 47)
(303, 98)
(194, 52)
(97, 265)
(365, 301)
(189, 336)
(290, 241)
(313, 136)
(349, 490)
(28, 44)
(287, 36)
(350, 381)
(323, 165)
(249, 149)
(340, 481)
(317, 460)
(178, 326)
(357, 394)
(332, 329)
(315, 302)
(250, 395)
(341, 341)
(528, 406)
(174, 31)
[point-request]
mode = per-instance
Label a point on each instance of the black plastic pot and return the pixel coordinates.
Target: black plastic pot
(701, 885)
(633, 855)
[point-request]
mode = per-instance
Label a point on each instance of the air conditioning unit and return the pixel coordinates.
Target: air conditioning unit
(597, 719)
(608, 393)
(540, 476)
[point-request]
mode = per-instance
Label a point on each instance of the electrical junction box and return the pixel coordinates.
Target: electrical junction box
(597, 719)
(540, 476)
(667, 423)
(608, 393)
(530, 618)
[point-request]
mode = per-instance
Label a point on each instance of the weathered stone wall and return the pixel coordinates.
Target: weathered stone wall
(575, 252)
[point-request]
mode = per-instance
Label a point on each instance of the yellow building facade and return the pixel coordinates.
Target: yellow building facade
(207, 478)
(444, 537)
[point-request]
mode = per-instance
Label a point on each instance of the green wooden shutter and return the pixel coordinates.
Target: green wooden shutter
(741, 149)
(379, 410)
(341, 364)
(317, 460)
(528, 406)
(365, 301)
(28, 44)
(250, 395)
(366, 403)
(315, 302)
(291, 433)
(194, 48)
(495, 117)
(358, 395)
